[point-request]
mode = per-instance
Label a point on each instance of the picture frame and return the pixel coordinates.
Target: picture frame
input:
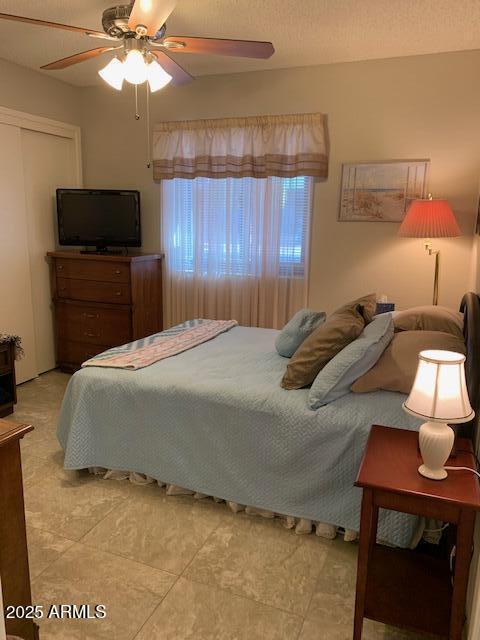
(381, 191)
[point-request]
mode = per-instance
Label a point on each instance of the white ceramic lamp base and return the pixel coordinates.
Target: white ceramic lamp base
(436, 442)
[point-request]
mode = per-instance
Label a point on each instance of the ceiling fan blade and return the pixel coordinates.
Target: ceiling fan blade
(179, 75)
(219, 46)
(75, 59)
(53, 25)
(151, 14)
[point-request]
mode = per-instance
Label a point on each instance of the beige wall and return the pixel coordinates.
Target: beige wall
(418, 107)
(33, 92)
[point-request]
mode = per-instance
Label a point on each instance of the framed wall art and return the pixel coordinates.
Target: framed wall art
(381, 191)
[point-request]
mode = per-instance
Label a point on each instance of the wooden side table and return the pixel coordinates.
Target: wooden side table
(401, 587)
(13, 541)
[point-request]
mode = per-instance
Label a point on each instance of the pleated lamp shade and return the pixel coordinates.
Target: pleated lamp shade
(429, 219)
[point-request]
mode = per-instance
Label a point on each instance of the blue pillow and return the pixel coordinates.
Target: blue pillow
(338, 375)
(299, 327)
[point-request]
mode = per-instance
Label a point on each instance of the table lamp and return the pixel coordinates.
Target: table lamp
(440, 395)
(428, 219)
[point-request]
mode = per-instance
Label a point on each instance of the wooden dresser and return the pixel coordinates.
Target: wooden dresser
(102, 301)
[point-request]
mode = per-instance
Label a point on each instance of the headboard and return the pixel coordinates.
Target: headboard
(470, 306)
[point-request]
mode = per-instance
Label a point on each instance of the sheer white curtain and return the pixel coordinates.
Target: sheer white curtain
(236, 248)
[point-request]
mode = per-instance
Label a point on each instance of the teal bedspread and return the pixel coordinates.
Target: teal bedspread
(215, 419)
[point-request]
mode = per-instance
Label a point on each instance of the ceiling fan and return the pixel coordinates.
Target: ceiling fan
(137, 32)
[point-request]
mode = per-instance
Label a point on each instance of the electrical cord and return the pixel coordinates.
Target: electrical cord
(437, 530)
(477, 461)
(453, 552)
(462, 469)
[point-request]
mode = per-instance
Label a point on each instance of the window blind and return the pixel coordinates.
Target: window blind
(241, 227)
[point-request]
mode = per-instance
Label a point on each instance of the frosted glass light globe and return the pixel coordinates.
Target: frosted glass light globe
(113, 73)
(134, 67)
(157, 77)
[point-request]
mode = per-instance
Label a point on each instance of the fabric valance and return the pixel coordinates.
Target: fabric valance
(286, 146)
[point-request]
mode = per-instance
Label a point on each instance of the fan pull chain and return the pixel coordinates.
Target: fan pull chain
(137, 115)
(149, 151)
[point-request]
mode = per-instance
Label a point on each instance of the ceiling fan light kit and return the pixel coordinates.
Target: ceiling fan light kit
(136, 65)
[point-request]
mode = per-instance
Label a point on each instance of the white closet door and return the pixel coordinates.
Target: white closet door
(16, 310)
(49, 162)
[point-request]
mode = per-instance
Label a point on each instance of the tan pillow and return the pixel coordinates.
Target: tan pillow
(396, 369)
(429, 318)
(341, 328)
(368, 304)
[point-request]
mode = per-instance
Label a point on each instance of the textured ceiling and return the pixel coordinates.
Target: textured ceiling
(304, 32)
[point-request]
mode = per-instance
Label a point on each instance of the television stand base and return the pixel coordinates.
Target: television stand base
(103, 251)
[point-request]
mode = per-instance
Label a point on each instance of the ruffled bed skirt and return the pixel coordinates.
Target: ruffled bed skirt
(301, 525)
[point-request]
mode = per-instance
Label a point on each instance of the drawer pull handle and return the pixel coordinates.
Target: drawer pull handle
(118, 293)
(62, 288)
(117, 272)
(89, 334)
(60, 267)
(90, 315)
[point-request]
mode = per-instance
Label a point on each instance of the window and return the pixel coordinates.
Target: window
(237, 226)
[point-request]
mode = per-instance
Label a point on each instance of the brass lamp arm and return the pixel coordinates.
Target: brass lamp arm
(436, 253)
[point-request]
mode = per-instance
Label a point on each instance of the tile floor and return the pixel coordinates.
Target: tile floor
(170, 568)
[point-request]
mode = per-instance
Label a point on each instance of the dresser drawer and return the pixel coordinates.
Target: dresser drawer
(77, 352)
(92, 270)
(93, 291)
(95, 325)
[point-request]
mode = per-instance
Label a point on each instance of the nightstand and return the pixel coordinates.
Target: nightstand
(402, 587)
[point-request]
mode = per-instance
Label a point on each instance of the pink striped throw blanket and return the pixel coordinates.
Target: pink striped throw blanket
(161, 346)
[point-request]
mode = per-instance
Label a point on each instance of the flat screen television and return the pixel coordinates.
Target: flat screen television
(99, 218)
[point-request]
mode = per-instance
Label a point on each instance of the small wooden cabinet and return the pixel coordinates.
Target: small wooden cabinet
(8, 389)
(102, 301)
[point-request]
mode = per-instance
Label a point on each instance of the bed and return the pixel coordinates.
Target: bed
(214, 419)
